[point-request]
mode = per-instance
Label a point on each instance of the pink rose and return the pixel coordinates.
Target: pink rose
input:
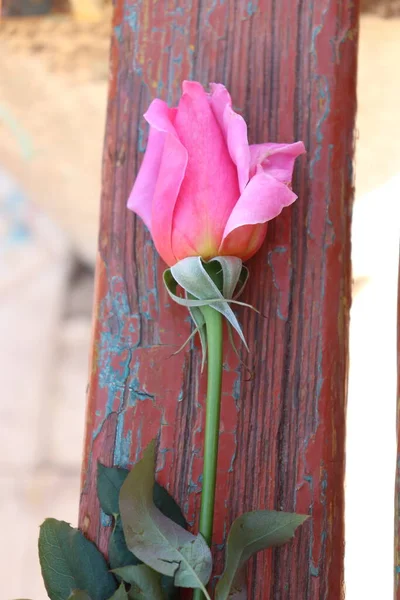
(202, 190)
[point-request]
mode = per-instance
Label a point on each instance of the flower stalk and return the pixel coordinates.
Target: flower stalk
(214, 332)
(213, 321)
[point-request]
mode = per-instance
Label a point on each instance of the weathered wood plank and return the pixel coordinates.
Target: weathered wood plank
(290, 67)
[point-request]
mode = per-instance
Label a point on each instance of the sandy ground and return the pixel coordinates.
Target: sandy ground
(54, 173)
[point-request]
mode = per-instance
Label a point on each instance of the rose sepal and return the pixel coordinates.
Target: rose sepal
(216, 283)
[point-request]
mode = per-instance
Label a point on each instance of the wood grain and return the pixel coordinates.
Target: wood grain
(291, 70)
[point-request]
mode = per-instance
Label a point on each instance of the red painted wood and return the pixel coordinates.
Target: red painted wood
(290, 67)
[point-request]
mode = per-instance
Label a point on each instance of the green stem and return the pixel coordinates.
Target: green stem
(213, 321)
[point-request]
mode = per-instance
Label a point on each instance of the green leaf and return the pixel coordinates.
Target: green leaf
(79, 595)
(170, 591)
(70, 562)
(118, 553)
(155, 539)
(119, 556)
(165, 502)
(120, 594)
(109, 483)
(250, 533)
(145, 582)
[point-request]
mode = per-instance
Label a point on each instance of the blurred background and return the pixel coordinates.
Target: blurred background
(53, 88)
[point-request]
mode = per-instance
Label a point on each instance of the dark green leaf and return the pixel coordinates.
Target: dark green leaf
(79, 595)
(120, 556)
(118, 553)
(70, 562)
(165, 502)
(250, 533)
(109, 482)
(170, 591)
(120, 594)
(155, 539)
(144, 581)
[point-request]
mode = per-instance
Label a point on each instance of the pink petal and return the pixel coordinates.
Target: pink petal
(141, 197)
(157, 185)
(276, 159)
(262, 200)
(160, 116)
(209, 190)
(235, 130)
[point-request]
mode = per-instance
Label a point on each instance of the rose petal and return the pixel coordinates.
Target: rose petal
(209, 190)
(276, 159)
(142, 194)
(262, 200)
(160, 116)
(244, 241)
(235, 130)
(168, 177)
(157, 185)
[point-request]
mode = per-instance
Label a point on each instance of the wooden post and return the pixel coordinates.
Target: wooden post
(291, 70)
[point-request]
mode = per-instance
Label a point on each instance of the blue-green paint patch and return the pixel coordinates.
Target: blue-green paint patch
(252, 8)
(179, 11)
(142, 136)
(122, 443)
(105, 520)
(178, 59)
(119, 337)
(118, 33)
(131, 17)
